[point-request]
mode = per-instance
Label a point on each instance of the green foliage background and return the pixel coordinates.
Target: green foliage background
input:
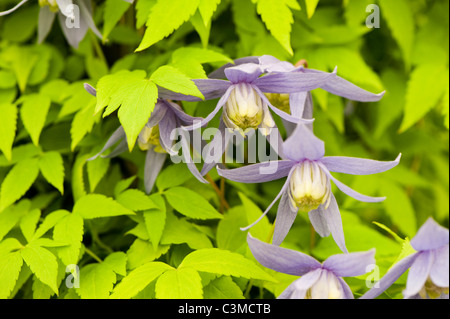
(57, 208)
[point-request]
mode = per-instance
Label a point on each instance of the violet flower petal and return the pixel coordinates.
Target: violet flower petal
(418, 273)
(46, 18)
(182, 116)
(390, 277)
(73, 35)
(334, 222)
(220, 74)
(186, 153)
(286, 215)
(351, 264)
(303, 144)
(157, 114)
(348, 294)
(153, 164)
(90, 89)
(357, 166)
(281, 259)
(292, 82)
(166, 125)
(243, 73)
(210, 88)
(116, 136)
(86, 13)
(218, 144)
(318, 219)
(350, 192)
(251, 173)
(439, 271)
(430, 235)
(341, 87)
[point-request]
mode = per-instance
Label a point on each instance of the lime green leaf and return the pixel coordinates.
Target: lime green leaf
(22, 61)
(96, 170)
(223, 262)
(69, 229)
(182, 283)
(82, 123)
(114, 10)
(135, 200)
(178, 231)
(311, 7)
(18, 181)
(7, 79)
(203, 30)
(14, 28)
(425, 87)
(51, 166)
(277, 17)
(76, 98)
(8, 122)
(399, 208)
(263, 228)
(172, 79)
(49, 222)
(110, 84)
(10, 266)
(207, 9)
(173, 175)
(42, 263)
(229, 236)
(78, 186)
(142, 252)
(117, 262)
(137, 101)
(143, 8)
(222, 288)
(96, 205)
(400, 19)
(155, 219)
(138, 279)
(96, 281)
(29, 222)
(33, 113)
(96, 67)
(11, 215)
(190, 204)
(164, 18)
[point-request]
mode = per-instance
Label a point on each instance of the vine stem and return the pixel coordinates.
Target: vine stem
(92, 254)
(218, 191)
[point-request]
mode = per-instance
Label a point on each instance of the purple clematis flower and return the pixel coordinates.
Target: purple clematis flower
(155, 138)
(428, 275)
(307, 187)
(75, 18)
(318, 280)
(243, 101)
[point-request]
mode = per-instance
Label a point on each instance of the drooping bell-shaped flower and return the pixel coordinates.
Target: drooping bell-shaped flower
(307, 188)
(243, 102)
(428, 275)
(318, 280)
(155, 138)
(75, 18)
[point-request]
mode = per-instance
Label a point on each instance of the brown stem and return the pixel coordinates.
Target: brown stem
(223, 202)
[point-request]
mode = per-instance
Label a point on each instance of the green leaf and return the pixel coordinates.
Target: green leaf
(14, 29)
(49, 222)
(42, 263)
(33, 114)
(138, 279)
(135, 200)
(263, 228)
(229, 236)
(203, 31)
(18, 181)
(29, 222)
(96, 170)
(96, 281)
(164, 18)
(172, 79)
(7, 79)
(155, 220)
(223, 262)
(142, 252)
(400, 19)
(110, 84)
(207, 9)
(97, 205)
(223, 288)
(11, 215)
(69, 229)
(425, 87)
(399, 208)
(182, 283)
(143, 8)
(22, 61)
(191, 204)
(173, 175)
(117, 262)
(51, 166)
(311, 7)
(96, 67)
(8, 122)
(278, 18)
(10, 266)
(82, 123)
(114, 10)
(137, 101)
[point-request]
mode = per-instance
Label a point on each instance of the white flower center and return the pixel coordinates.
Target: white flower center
(150, 136)
(245, 109)
(309, 186)
(326, 287)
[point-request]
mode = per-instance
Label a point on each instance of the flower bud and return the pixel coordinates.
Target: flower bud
(326, 287)
(150, 136)
(244, 108)
(279, 100)
(309, 186)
